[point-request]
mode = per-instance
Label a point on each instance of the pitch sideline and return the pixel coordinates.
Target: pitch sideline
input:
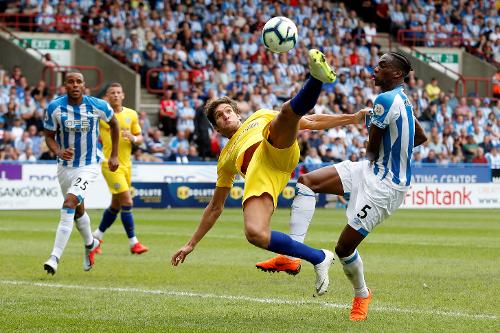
(173, 293)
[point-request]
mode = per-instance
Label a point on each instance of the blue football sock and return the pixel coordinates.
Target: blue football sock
(283, 244)
(128, 220)
(306, 98)
(108, 217)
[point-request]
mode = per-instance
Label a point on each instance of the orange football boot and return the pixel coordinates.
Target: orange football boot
(99, 250)
(280, 263)
(359, 309)
(138, 248)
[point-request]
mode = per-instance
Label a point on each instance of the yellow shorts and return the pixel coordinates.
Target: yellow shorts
(270, 169)
(118, 181)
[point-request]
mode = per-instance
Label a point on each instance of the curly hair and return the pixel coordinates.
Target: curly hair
(213, 104)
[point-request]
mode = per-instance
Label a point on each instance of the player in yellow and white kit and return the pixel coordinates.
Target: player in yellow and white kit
(264, 150)
(119, 182)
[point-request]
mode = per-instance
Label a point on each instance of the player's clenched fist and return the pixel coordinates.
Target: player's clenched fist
(66, 154)
(113, 163)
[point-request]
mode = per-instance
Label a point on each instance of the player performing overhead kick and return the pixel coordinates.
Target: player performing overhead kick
(72, 131)
(264, 150)
(378, 185)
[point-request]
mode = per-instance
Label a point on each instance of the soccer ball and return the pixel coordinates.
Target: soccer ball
(279, 34)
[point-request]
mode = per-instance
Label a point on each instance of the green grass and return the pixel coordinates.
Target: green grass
(430, 270)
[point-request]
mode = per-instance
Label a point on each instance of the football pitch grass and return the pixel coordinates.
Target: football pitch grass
(429, 270)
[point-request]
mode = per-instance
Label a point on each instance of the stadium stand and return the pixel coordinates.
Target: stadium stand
(187, 53)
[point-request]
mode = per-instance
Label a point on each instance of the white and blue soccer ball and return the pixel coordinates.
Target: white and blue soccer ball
(279, 34)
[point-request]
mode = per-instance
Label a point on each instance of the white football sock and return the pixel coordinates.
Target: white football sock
(83, 226)
(353, 269)
(303, 207)
(98, 234)
(63, 231)
(132, 241)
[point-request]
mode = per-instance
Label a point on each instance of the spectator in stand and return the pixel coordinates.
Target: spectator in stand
(480, 158)
(27, 156)
(179, 145)
(185, 118)
(417, 158)
(144, 123)
(442, 159)
(312, 160)
(469, 148)
(431, 157)
(193, 154)
(495, 81)
(494, 158)
(181, 156)
(156, 146)
(433, 90)
(436, 143)
(168, 114)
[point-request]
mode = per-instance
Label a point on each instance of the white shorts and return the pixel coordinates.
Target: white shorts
(371, 199)
(77, 180)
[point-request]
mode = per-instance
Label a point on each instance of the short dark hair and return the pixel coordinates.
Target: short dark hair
(213, 104)
(402, 62)
(114, 85)
(73, 71)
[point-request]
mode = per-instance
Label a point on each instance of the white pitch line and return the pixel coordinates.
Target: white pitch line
(173, 293)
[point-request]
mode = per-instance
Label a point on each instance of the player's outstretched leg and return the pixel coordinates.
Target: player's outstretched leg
(257, 214)
(319, 67)
(321, 259)
(280, 263)
(303, 207)
(284, 128)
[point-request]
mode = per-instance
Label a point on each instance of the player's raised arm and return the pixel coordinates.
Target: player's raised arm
(115, 137)
(208, 219)
(326, 121)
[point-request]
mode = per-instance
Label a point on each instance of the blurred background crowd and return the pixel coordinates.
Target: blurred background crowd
(205, 49)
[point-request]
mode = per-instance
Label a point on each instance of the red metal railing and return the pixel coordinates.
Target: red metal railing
(50, 75)
(410, 37)
(462, 91)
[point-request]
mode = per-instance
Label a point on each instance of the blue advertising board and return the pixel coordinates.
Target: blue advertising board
(166, 195)
(150, 195)
(456, 173)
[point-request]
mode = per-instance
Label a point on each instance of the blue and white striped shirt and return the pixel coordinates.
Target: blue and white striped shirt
(393, 111)
(77, 127)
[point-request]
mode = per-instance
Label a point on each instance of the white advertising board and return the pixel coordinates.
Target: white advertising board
(20, 194)
(485, 195)
(153, 173)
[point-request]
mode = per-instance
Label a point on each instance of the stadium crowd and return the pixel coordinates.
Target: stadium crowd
(205, 49)
(474, 25)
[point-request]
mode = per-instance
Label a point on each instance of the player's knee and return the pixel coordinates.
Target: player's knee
(307, 181)
(127, 203)
(70, 202)
(343, 250)
(256, 237)
(286, 110)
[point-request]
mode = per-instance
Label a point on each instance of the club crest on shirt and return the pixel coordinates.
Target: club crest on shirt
(116, 186)
(128, 120)
(378, 109)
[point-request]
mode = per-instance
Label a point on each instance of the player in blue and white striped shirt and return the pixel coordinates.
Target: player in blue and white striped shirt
(72, 132)
(377, 186)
